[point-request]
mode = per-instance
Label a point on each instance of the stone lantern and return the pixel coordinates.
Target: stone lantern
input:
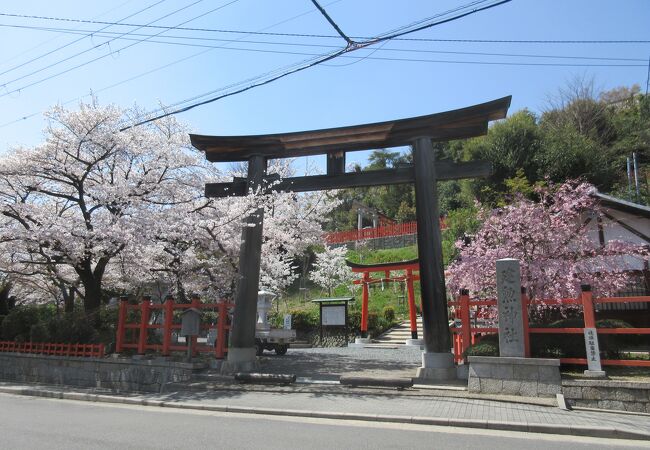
(264, 303)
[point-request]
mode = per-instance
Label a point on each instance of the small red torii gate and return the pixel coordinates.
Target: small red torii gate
(366, 269)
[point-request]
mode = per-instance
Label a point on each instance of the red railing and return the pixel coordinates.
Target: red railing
(467, 334)
(398, 229)
(138, 337)
(47, 348)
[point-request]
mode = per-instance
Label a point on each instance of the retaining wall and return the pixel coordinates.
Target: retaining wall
(608, 394)
(118, 374)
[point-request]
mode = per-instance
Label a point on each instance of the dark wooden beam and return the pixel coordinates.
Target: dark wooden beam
(457, 124)
(445, 170)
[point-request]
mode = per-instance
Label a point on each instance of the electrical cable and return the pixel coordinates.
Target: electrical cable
(77, 40)
(322, 59)
(331, 21)
(298, 44)
(119, 50)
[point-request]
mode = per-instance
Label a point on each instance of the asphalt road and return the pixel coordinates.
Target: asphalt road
(35, 423)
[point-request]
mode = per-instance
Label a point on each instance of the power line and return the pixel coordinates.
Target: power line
(329, 36)
(289, 19)
(300, 44)
(321, 60)
(76, 40)
(123, 48)
(334, 25)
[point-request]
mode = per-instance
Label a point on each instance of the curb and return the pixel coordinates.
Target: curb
(558, 429)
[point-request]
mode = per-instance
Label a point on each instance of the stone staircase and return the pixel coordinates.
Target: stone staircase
(399, 334)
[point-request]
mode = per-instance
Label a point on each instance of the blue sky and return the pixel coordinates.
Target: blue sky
(345, 91)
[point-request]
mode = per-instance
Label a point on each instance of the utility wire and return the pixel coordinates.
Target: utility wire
(299, 44)
(350, 42)
(177, 61)
(123, 48)
(77, 40)
(321, 60)
(329, 36)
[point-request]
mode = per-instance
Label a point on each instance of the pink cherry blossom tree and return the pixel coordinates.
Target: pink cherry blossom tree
(551, 240)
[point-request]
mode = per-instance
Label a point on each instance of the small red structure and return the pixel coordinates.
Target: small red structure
(142, 326)
(467, 334)
(386, 268)
(52, 349)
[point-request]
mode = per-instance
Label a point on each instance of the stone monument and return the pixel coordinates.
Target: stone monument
(512, 373)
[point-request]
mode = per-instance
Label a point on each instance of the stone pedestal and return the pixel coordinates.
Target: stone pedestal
(437, 367)
(360, 342)
(264, 303)
(415, 342)
(240, 360)
(528, 377)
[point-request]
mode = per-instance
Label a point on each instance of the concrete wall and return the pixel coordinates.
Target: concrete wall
(119, 374)
(528, 377)
(608, 394)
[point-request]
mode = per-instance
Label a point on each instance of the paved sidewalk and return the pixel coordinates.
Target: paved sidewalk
(410, 406)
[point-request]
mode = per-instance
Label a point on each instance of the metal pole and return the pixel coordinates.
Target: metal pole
(432, 280)
(636, 177)
(629, 178)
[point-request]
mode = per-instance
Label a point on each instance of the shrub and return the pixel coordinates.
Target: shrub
(17, 325)
(303, 320)
(487, 346)
(39, 332)
(389, 313)
(72, 328)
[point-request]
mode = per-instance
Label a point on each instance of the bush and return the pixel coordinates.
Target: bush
(303, 320)
(39, 333)
(17, 325)
(389, 314)
(72, 328)
(573, 345)
(487, 346)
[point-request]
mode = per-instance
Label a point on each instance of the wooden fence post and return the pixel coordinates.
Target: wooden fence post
(121, 322)
(364, 306)
(222, 322)
(586, 297)
(196, 303)
(144, 322)
(167, 329)
(410, 292)
(524, 317)
(466, 323)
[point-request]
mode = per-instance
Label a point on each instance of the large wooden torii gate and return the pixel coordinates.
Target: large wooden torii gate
(418, 132)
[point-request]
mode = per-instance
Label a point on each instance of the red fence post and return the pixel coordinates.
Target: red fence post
(144, 322)
(410, 293)
(196, 303)
(167, 330)
(466, 323)
(364, 306)
(121, 321)
(222, 321)
(586, 297)
(524, 317)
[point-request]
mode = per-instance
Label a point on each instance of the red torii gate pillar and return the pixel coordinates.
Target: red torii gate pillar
(386, 268)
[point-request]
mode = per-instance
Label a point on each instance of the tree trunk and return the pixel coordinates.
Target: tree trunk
(5, 303)
(68, 300)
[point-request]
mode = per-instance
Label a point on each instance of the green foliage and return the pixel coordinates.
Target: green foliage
(573, 345)
(72, 328)
(461, 223)
(304, 319)
(17, 325)
(389, 313)
(383, 256)
(487, 346)
(39, 332)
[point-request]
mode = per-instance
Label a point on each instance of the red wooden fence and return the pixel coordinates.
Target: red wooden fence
(397, 229)
(467, 334)
(47, 348)
(137, 338)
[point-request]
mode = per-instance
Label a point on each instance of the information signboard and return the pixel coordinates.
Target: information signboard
(333, 315)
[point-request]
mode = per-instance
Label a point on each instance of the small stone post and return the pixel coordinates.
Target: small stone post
(511, 325)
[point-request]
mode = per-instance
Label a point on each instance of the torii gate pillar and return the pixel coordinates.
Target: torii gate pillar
(437, 360)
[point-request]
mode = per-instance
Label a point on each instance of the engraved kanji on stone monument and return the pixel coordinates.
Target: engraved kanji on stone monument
(593, 352)
(511, 326)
